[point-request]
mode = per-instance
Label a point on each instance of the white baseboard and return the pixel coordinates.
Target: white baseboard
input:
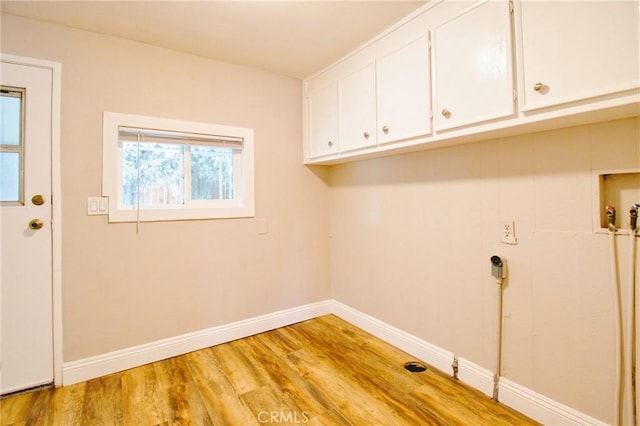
(541, 408)
(522, 399)
(431, 354)
(100, 365)
(518, 397)
(475, 376)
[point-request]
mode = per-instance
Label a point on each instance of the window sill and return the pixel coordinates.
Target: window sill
(171, 214)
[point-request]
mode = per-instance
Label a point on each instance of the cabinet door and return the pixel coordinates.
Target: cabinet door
(472, 66)
(404, 92)
(358, 109)
(576, 50)
(323, 120)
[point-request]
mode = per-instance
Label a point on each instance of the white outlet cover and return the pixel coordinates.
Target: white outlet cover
(508, 233)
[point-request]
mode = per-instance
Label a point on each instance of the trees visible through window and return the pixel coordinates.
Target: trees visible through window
(153, 173)
(167, 169)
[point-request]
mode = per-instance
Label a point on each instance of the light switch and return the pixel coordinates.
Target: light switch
(97, 205)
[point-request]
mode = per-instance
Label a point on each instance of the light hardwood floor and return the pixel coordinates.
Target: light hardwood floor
(318, 372)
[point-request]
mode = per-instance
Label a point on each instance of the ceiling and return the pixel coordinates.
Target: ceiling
(295, 38)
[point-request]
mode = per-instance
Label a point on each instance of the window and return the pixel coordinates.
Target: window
(161, 169)
(11, 145)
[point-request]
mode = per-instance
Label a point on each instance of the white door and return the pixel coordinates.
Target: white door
(26, 339)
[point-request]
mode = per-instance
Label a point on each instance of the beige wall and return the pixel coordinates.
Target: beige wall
(121, 289)
(412, 236)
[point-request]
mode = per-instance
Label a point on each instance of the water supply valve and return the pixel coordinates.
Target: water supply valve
(498, 268)
(633, 216)
(610, 211)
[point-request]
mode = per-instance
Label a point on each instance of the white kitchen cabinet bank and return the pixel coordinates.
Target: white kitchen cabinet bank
(570, 63)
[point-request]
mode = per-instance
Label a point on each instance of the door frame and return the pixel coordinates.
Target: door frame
(56, 203)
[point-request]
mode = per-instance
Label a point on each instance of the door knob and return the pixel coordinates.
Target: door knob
(37, 200)
(35, 224)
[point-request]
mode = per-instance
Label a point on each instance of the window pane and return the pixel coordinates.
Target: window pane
(10, 121)
(160, 176)
(211, 173)
(9, 176)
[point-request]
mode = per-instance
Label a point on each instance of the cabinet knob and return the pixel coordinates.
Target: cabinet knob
(446, 113)
(366, 135)
(385, 129)
(538, 87)
(330, 143)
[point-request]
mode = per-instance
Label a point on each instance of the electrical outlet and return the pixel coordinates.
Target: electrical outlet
(508, 233)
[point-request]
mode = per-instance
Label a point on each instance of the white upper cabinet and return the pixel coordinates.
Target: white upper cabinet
(357, 117)
(575, 50)
(404, 92)
(472, 62)
(322, 104)
(448, 75)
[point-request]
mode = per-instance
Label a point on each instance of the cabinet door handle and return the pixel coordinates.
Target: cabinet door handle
(538, 87)
(446, 113)
(330, 143)
(366, 135)
(385, 129)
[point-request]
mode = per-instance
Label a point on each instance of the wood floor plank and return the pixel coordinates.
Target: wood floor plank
(365, 375)
(184, 406)
(39, 412)
(372, 367)
(220, 397)
(15, 409)
(323, 371)
(282, 376)
(329, 418)
(350, 394)
(65, 406)
(140, 387)
(279, 342)
(104, 407)
(170, 372)
(264, 401)
(240, 371)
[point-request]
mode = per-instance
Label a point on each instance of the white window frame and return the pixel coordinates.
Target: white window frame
(242, 205)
